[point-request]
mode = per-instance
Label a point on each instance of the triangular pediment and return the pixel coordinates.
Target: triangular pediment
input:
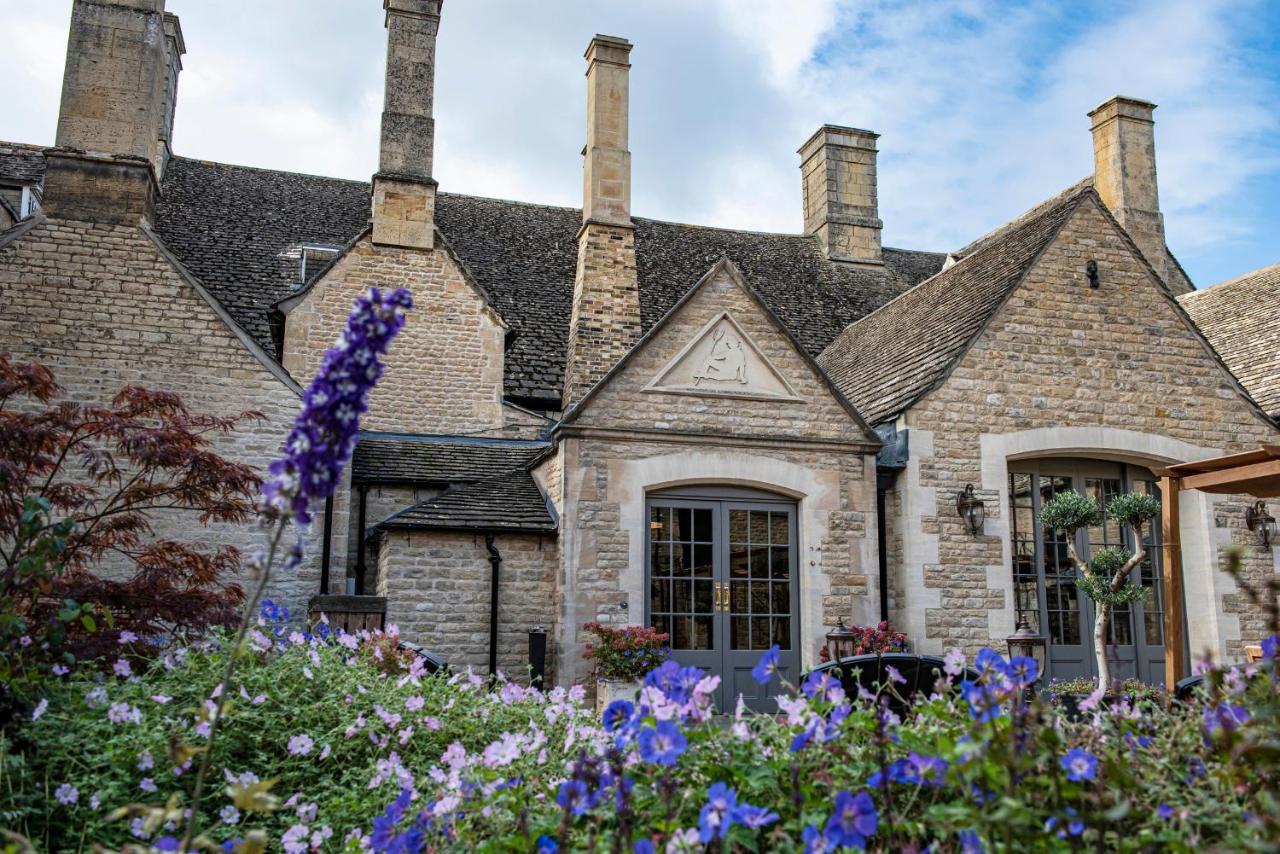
(720, 359)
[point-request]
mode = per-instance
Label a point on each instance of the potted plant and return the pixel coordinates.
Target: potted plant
(621, 656)
(869, 640)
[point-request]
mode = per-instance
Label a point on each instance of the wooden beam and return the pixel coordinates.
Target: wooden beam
(1231, 476)
(1175, 664)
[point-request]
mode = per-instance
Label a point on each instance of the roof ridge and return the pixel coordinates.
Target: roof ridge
(1031, 212)
(448, 439)
(203, 162)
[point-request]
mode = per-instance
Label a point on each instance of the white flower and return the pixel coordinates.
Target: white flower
(122, 668)
(229, 814)
(40, 709)
(146, 761)
(295, 839)
(300, 745)
(127, 636)
(67, 794)
(147, 785)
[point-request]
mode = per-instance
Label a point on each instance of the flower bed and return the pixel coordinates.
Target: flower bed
(343, 742)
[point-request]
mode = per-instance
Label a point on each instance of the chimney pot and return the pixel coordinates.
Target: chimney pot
(838, 170)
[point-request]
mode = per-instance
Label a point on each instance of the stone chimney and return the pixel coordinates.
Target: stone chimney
(404, 193)
(606, 295)
(115, 122)
(1124, 173)
(838, 171)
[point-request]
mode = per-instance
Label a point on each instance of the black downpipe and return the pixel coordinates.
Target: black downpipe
(326, 553)
(360, 550)
(495, 561)
(883, 540)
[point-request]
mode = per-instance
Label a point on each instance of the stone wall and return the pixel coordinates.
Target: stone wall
(605, 321)
(380, 502)
(444, 371)
(1066, 370)
(437, 587)
(104, 308)
(631, 438)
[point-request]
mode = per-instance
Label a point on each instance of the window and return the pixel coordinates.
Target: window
(314, 257)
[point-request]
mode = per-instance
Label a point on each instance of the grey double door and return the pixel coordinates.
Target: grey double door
(1045, 579)
(721, 580)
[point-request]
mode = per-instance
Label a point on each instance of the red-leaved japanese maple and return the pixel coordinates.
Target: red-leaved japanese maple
(81, 486)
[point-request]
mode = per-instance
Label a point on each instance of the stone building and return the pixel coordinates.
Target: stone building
(737, 437)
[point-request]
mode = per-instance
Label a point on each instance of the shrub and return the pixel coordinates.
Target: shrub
(625, 653)
(80, 483)
(869, 640)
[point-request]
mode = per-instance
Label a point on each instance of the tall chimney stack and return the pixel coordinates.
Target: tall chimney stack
(838, 170)
(115, 121)
(606, 294)
(404, 193)
(1124, 173)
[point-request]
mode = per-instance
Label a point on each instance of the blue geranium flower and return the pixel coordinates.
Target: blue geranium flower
(575, 796)
(1269, 647)
(819, 683)
(854, 820)
(547, 845)
(754, 817)
(717, 813)
(971, 843)
(644, 846)
(1164, 812)
(989, 659)
(662, 744)
(1079, 764)
(1023, 670)
(815, 841)
(983, 704)
(617, 714)
(767, 665)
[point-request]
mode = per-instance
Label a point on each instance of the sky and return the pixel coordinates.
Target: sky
(981, 104)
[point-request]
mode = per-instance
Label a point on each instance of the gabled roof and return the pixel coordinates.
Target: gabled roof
(409, 458)
(20, 163)
(726, 267)
(906, 348)
(508, 502)
(1239, 318)
(238, 230)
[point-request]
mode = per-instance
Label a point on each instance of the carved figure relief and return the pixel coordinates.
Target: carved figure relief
(725, 363)
(721, 359)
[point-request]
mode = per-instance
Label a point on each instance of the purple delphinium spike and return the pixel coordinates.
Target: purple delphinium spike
(324, 433)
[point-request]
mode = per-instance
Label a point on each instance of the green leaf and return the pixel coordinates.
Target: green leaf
(89, 623)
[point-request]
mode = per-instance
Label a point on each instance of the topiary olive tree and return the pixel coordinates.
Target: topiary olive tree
(1105, 579)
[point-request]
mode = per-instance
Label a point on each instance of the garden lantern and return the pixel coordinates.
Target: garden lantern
(1025, 642)
(1261, 523)
(840, 641)
(972, 510)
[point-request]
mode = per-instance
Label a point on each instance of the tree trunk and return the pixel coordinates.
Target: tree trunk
(1100, 622)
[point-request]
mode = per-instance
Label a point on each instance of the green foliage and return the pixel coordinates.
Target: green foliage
(1133, 508)
(1070, 511)
(1097, 587)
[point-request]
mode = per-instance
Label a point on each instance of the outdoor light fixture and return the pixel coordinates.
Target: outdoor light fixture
(840, 641)
(971, 510)
(1023, 641)
(1262, 523)
(1091, 271)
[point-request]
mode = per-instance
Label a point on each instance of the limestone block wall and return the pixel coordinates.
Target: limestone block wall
(1065, 370)
(602, 536)
(103, 308)
(437, 589)
(444, 372)
(381, 501)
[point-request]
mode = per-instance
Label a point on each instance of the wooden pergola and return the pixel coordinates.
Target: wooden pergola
(1255, 473)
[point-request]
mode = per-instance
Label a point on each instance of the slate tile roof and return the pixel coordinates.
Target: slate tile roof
(889, 359)
(1239, 319)
(509, 502)
(239, 230)
(20, 163)
(402, 458)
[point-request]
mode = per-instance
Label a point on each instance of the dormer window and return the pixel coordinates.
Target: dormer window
(314, 257)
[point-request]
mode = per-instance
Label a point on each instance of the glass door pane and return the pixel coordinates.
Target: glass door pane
(681, 569)
(759, 579)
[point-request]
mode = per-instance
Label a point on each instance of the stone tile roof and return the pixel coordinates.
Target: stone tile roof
(402, 458)
(893, 356)
(1239, 319)
(20, 163)
(509, 502)
(239, 230)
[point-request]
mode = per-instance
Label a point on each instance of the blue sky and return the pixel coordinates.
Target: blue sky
(980, 105)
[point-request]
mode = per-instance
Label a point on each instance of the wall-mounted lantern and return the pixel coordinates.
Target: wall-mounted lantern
(972, 510)
(1261, 523)
(1091, 273)
(840, 641)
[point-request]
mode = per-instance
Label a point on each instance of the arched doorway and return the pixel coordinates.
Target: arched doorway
(1044, 579)
(721, 577)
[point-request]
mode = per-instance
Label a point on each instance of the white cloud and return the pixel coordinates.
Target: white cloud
(980, 104)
